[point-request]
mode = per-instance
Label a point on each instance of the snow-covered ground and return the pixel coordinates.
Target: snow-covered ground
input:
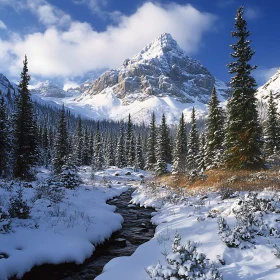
(63, 231)
(195, 218)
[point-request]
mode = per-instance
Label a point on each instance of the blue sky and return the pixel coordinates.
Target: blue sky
(68, 41)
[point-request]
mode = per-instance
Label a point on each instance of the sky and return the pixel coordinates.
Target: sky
(69, 41)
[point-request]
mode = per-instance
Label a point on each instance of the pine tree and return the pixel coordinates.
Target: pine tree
(61, 148)
(151, 145)
(98, 150)
(193, 144)
(110, 153)
(202, 164)
(139, 159)
(272, 128)
(86, 148)
(3, 137)
(46, 153)
(79, 145)
(243, 132)
(180, 152)
(215, 132)
(163, 148)
(129, 143)
(120, 157)
(25, 130)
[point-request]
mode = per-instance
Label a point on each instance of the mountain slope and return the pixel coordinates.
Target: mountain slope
(161, 78)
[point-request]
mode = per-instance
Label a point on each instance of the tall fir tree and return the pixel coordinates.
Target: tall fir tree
(61, 148)
(78, 145)
(3, 137)
(26, 139)
(129, 143)
(272, 128)
(139, 159)
(163, 148)
(193, 144)
(98, 150)
(243, 133)
(151, 145)
(180, 151)
(86, 148)
(120, 155)
(202, 163)
(215, 132)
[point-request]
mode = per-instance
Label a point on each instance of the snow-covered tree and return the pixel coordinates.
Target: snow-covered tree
(193, 144)
(3, 137)
(151, 145)
(120, 156)
(139, 159)
(202, 153)
(180, 152)
(98, 150)
(78, 143)
(272, 128)
(61, 149)
(215, 132)
(25, 130)
(243, 132)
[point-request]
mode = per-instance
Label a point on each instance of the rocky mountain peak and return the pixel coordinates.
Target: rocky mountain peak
(161, 69)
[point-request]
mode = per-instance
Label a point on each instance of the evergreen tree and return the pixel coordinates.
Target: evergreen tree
(272, 128)
(215, 132)
(98, 150)
(243, 132)
(151, 145)
(25, 130)
(193, 144)
(163, 148)
(79, 145)
(3, 137)
(202, 153)
(180, 152)
(139, 159)
(120, 157)
(86, 148)
(61, 149)
(111, 150)
(129, 142)
(46, 153)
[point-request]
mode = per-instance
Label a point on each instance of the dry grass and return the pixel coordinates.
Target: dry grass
(219, 179)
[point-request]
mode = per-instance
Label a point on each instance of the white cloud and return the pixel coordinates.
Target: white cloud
(79, 48)
(2, 25)
(264, 74)
(251, 13)
(69, 84)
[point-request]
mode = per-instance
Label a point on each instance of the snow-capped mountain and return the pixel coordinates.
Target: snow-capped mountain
(273, 85)
(7, 88)
(161, 78)
(48, 89)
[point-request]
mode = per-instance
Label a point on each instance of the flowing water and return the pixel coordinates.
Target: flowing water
(136, 229)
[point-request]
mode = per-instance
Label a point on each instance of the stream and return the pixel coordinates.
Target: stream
(136, 229)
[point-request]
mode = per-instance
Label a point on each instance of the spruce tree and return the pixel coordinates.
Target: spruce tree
(272, 128)
(243, 133)
(139, 159)
(215, 132)
(3, 137)
(193, 144)
(151, 145)
(98, 150)
(129, 143)
(120, 156)
(86, 148)
(202, 164)
(61, 148)
(25, 130)
(78, 145)
(180, 151)
(163, 148)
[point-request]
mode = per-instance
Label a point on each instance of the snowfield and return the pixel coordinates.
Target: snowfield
(189, 216)
(64, 231)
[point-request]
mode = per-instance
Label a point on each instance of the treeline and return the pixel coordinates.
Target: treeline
(233, 138)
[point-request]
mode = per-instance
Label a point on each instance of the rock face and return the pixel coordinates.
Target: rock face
(161, 69)
(272, 85)
(8, 89)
